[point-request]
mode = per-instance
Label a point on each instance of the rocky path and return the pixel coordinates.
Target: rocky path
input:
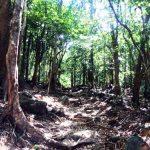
(79, 121)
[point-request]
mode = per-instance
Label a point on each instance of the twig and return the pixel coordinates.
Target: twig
(55, 116)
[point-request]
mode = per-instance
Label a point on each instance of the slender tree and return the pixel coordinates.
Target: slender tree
(116, 61)
(141, 47)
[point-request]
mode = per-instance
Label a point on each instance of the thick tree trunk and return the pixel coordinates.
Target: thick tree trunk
(52, 85)
(53, 73)
(14, 109)
(147, 75)
(138, 70)
(116, 73)
(116, 62)
(38, 58)
(23, 59)
(141, 58)
(147, 87)
(137, 82)
(138, 73)
(35, 74)
(5, 16)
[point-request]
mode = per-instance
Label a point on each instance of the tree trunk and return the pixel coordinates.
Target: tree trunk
(35, 74)
(71, 79)
(53, 73)
(39, 54)
(147, 87)
(116, 73)
(91, 70)
(14, 109)
(131, 68)
(137, 82)
(141, 58)
(37, 60)
(5, 16)
(52, 84)
(74, 76)
(23, 59)
(111, 74)
(138, 71)
(139, 68)
(27, 59)
(116, 61)
(84, 73)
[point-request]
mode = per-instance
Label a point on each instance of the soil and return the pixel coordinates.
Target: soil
(79, 119)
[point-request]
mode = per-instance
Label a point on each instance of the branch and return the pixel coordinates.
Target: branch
(128, 43)
(124, 25)
(130, 32)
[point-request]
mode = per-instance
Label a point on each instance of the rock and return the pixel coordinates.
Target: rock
(114, 139)
(113, 123)
(26, 94)
(39, 125)
(65, 100)
(77, 93)
(34, 106)
(74, 102)
(111, 97)
(99, 94)
(111, 113)
(136, 143)
(56, 111)
(84, 137)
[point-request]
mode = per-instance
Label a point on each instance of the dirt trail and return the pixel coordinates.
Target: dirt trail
(80, 121)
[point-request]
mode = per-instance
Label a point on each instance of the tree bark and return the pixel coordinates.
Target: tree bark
(114, 35)
(27, 57)
(91, 70)
(141, 63)
(138, 73)
(14, 109)
(137, 82)
(35, 74)
(53, 73)
(84, 73)
(5, 16)
(141, 49)
(116, 73)
(23, 59)
(37, 60)
(39, 55)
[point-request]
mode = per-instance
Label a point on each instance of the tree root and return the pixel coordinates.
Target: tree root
(22, 128)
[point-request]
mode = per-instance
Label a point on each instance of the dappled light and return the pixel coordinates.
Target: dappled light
(74, 75)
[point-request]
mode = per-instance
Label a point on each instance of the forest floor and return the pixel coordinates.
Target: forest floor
(78, 119)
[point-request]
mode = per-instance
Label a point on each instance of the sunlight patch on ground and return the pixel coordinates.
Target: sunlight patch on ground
(84, 133)
(5, 145)
(48, 135)
(66, 123)
(51, 101)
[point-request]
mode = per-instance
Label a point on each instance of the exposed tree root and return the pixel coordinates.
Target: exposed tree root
(23, 127)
